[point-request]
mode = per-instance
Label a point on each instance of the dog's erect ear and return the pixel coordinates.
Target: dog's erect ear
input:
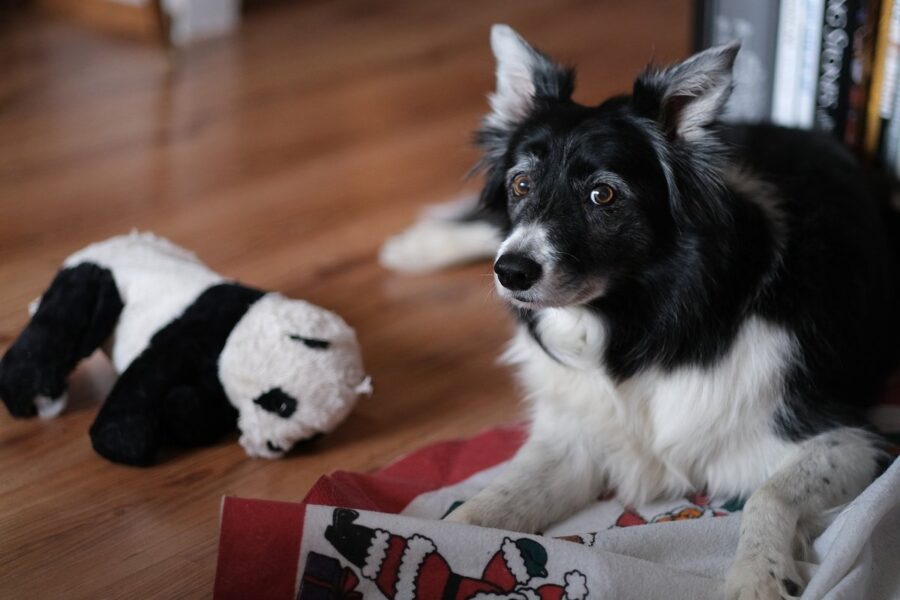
(523, 75)
(687, 96)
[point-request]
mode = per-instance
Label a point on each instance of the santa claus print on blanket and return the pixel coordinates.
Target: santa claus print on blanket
(402, 567)
(411, 554)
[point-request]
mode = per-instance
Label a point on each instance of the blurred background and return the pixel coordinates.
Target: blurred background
(282, 142)
(108, 122)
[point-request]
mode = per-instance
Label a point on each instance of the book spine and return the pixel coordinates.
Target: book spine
(860, 73)
(766, 41)
(876, 87)
(807, 76)
(833, 90)
(787, 58)
(754, 24)
(889, 79)
(704, 11)
(890, 139)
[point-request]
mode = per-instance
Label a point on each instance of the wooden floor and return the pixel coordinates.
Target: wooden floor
(283, 155)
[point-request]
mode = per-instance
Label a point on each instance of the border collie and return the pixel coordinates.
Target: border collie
(701, 306)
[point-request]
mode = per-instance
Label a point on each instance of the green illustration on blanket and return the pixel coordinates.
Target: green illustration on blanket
(699, 507)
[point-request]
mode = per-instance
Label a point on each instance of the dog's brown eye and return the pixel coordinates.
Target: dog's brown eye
(602, 195)
(521, 185)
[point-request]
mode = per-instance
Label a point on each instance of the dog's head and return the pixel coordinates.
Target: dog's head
(593, 195)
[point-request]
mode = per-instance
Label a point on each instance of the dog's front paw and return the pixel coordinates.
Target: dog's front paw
(432, 244)
(763, 577)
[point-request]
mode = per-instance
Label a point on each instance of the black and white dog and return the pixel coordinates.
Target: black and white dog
(702, 307)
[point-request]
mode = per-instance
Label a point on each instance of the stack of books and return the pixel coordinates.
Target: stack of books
(830, 65)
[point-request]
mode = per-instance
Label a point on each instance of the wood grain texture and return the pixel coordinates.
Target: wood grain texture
(142, 21)
(283, 156)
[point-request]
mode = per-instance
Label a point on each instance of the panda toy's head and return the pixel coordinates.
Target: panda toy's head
(293, 370)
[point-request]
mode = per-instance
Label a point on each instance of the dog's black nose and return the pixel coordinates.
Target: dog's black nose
(517, 272)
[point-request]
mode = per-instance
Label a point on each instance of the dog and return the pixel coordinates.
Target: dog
(700, 307)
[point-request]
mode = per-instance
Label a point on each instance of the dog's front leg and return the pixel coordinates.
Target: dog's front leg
(829, 470)
(551, 476)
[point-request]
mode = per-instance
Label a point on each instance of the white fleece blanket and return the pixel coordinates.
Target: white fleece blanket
(681, 550)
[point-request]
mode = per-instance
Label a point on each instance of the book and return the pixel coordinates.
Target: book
(872, 134)
(831, 65)
(755, 25)
(890, 144)
(808, 67)
(788, 52)
(861, 73)
(833, 87)
(889, 81)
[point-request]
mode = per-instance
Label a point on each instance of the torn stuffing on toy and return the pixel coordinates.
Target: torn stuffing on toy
(196, 354)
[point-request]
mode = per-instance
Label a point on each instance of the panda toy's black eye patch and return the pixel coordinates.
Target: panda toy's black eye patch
(273, 447)
(311, 342)
(276, 401)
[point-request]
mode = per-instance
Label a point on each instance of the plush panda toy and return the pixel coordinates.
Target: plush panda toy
(195, 353)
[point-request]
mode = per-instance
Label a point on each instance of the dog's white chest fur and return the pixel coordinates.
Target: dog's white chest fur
(659, 432)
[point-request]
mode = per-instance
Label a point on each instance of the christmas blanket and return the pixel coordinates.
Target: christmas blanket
(379, 536)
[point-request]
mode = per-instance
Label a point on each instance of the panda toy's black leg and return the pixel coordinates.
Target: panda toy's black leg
(161, 397)
(172, 392)
(77, 313)
(197, 417)
(128, 428)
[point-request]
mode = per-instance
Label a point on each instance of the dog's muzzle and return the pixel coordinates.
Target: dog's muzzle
(517, 272)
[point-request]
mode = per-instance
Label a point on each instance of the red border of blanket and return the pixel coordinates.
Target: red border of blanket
(259, 540)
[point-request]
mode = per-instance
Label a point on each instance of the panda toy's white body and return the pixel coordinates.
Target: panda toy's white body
(157, 281)
(184, 339)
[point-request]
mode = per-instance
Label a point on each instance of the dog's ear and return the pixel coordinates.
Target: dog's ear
(688, 96)
(524, 76)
